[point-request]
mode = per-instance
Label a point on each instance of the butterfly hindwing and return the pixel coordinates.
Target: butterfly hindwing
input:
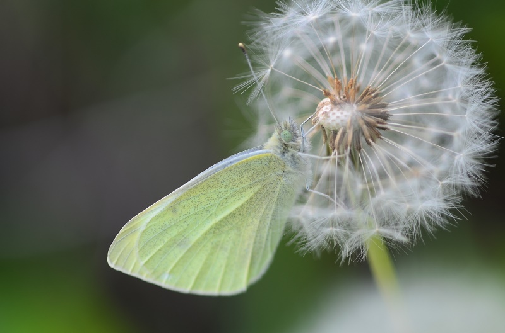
(208, 238)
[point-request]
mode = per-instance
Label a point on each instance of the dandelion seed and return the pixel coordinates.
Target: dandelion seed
(398, 99)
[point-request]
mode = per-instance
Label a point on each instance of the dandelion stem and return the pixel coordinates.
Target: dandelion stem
(382, 268)
(384, 274)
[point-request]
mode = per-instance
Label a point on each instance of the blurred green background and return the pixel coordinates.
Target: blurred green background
(106, 106)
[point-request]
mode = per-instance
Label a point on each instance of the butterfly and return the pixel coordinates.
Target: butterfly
(218, 233)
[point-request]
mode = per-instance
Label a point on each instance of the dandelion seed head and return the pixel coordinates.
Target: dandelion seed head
(401, 109)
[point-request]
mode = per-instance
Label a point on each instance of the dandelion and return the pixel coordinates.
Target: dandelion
(402, 115)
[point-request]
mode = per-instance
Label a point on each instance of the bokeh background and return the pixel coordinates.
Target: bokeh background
(107, 106)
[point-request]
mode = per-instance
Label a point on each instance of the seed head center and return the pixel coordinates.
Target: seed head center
(334, 116)
(347, 115)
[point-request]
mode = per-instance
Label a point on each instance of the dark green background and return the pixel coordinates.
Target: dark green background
(105, 107)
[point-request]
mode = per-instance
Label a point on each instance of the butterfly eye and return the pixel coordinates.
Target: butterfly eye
(286, 136)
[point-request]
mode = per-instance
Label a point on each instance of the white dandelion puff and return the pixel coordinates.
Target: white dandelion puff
(402, 115)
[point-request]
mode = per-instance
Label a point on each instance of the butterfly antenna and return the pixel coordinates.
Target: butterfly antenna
(242, 47)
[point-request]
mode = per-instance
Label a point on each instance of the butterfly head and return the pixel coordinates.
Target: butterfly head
(288, 136)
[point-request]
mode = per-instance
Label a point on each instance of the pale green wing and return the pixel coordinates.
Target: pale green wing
(215, 235)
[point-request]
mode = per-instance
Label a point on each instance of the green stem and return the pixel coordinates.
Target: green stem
(382, 269)
(383, 272)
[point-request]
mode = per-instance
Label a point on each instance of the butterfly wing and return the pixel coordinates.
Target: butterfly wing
(215, 235)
